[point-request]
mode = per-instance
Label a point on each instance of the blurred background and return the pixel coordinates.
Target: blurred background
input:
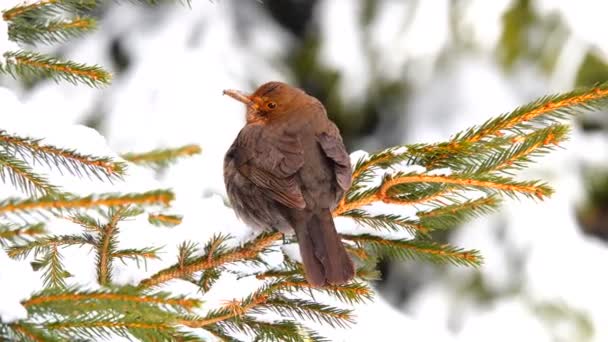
(390, 72)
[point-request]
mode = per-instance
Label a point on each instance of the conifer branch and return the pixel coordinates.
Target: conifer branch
(351, 293)
(106, 246)
(304, 309)
(520, 149)
(32, 65)
(29, 333)
(543, 110)
(163, 220)
(490, 184)
(44, 8)
(22, 177)
(248, 251)
(162, 158)
(76, 297)
(43, 244)
(55, 204)
(136, 254)
(412, 249)
(11, 234)
(232, 309)
(62, 159)
(388, 222)
(72, 313)
(448, 216)
(54, 31)
(54, 271)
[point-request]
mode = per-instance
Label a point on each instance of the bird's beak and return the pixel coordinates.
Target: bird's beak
(239, 96)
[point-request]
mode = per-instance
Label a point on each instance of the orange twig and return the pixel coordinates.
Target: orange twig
(21, 329)
(155, 198)
(186, 303)
(381, 195)
(236, 310)
(92, 74)
(460, 255)
(102, 324)
(547, 107)
(203, 264)
(16, 11)
(108, 166)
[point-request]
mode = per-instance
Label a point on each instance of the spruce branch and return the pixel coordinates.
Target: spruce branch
(309, 310)
(11, 234)
(139, 255)
(545, 110)
(161, 158)
(448, 216)
(107, 246)
(32, 65)
(56, 204)
(351, 293)
(248, 251)
(26, 332)
(54, 273)
(73, 313)
(42, 245)
(48, 301)
(487, 183)
(388, 222)
(22, 176)
(45, 8)
(418, 249)
(163, 220)
(62, 159)
(53, 31)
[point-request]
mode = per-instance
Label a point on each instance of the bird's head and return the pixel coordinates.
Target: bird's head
(271, 101)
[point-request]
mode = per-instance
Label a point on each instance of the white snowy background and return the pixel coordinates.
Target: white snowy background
(180, 59)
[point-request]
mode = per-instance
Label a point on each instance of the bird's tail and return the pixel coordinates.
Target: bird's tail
(324, 256)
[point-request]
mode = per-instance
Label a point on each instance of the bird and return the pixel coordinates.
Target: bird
(287, 170)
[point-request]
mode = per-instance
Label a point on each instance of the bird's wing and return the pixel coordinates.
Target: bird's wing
(333, 147)
(270, 161)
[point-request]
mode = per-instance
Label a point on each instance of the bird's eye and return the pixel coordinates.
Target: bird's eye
(271, 105)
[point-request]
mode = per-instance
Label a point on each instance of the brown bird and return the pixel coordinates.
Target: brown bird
(287, 169)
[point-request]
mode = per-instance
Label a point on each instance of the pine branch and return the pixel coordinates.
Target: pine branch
(42, 245)
(72, 313)
(55, 204)
(54, 273)
(45, 8)
(28, 332)
(351, 293)
(159, 159)
(22, 177)
(11, 234)
(53, 31)
(163, 220)
(523, 148)
(248, 251)
(106, 246)
(309, 310)
(282, 331)
(62, 159)
(491, 184)
(53, 301)
(545, 110)
(136, 254)
(448, 216)
(418, 249)
(388, 222)
(31, 65)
